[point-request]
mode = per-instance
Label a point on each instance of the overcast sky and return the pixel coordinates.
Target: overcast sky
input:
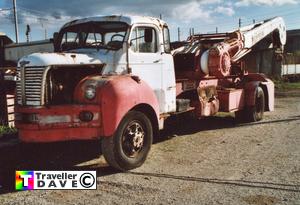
(46, 17)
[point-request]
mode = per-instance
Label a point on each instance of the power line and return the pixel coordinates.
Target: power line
(33, 11)
(225, 25)
(6, 9)
(261, 19)
(275, 13)
(249, 19)
(39, 13)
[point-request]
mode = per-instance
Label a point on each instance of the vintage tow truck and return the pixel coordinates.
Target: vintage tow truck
(115, 78)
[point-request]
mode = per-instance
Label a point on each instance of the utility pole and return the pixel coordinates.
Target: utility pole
(253, 21)
(240, 22)
(216, 29)
(178, 34)
(44, 26)
(16, 20)
(45, 33)
(160, 16)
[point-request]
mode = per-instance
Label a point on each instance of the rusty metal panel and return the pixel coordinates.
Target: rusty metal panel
(231, 99)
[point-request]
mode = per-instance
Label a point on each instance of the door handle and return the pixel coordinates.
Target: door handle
(171, 87)
(157, 61)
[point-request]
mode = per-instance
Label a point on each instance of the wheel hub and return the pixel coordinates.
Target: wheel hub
(133, 139)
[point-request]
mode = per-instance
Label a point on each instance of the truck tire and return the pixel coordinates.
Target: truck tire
(129, 146)
(253, 113)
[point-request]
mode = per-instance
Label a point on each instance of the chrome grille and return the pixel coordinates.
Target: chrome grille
(29, 85)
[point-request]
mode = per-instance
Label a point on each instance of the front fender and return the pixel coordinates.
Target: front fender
(117, 95)
(255, 80)
(250, 88)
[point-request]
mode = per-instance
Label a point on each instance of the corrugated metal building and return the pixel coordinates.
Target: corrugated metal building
(4, 40)
(291, 63)
(263, 58)
(293, 41)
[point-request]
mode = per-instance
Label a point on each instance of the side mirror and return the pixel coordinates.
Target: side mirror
(148, 35)
(131, 42)
(55, 37)
(55, 40)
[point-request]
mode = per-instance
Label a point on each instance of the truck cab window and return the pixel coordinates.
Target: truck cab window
(114, 39)
(100, 35)
(166, 34)
(70, 39)
(144, 40)
(93, 38)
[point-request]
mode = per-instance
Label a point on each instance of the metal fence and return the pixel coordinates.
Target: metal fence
(291, 58)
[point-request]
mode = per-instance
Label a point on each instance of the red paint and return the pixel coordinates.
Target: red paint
(119, 95)
(231, 100)
(224, 51)
(257, 79)
(55, 134)
(116, 95)
(229, 97)
(250, 89)
(50, 132)
(219, 61)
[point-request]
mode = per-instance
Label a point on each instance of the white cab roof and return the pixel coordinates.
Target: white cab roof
(130, 20)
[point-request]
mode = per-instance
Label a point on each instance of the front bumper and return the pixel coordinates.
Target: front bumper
(58, 123)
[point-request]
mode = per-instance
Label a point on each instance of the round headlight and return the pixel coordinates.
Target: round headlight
(90, 92)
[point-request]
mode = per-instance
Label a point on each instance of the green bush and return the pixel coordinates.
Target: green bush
(283, 85)
(5, 130)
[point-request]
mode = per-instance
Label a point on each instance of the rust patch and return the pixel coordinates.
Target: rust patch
(54, 119)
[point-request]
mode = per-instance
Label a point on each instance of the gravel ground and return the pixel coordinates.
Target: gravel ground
(208, 161)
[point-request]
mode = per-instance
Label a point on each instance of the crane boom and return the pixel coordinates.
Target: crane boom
(217, 53)
(256, 32)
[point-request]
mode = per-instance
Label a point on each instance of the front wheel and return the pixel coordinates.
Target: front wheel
(129, 146)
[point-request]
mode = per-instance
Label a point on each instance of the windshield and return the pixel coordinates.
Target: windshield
(107, 35)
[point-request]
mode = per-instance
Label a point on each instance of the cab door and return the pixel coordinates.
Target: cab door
(168, 73)
(146, 60)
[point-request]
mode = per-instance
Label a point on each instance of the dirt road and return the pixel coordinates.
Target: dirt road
(209, 161)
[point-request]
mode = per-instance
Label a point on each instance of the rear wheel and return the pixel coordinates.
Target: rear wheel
(253, 113)
(129, 146)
